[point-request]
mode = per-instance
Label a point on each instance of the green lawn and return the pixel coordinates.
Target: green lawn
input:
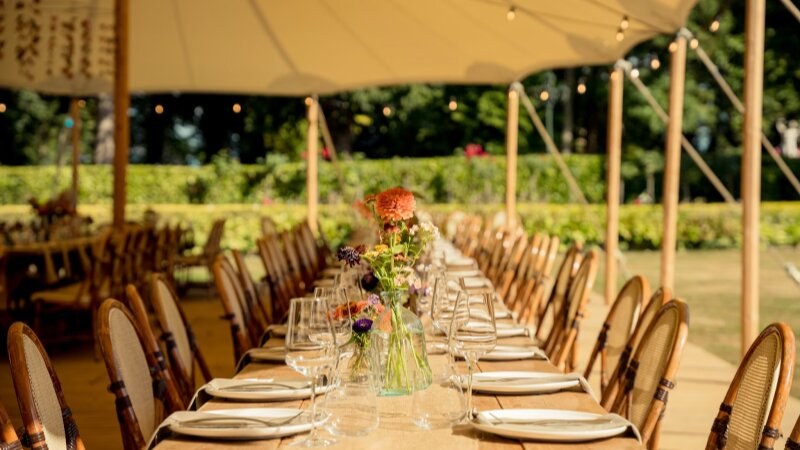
(709, 280)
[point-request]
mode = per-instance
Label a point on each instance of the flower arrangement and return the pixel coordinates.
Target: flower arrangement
(364, 313)
(402, 239)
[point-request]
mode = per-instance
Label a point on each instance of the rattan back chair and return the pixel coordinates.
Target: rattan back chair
(174, 398)
(617, 328)
(659, 298)
(751, 413)
(262, 308)
(651, 372)
(255, 327)
(566, 271)
(134, 376)
(47, 419)
(793, 441)
(8, 436)
(226, 287)
(176, 332)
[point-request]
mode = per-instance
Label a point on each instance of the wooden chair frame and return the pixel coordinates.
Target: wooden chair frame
(650, 429)
(185, 376)
(8, 436)
(566, 271)
(641, 287)
(34, 436)
(174, 398)
(242, 342)
(718, 438)
(132, 436)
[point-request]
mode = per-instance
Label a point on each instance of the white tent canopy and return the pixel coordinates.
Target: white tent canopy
(301, 47)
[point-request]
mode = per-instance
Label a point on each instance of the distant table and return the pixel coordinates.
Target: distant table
(43, 263)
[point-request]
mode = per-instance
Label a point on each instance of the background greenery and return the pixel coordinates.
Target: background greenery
(699, 226)
(436, 180)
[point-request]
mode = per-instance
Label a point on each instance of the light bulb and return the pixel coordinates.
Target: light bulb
(694, 43)
(81, 103)
(620, 35)
(308, 101)
(544, 96)
(624, 24)
(159, 109)
(2, 108)
(634, 73)
(581, 88)
(714, 27)
(453, 105)
(237, 108)
(655, 64)
(511, 14)
(673, 46)
(387, 111)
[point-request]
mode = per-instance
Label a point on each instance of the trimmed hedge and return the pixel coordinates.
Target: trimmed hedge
(699, 225)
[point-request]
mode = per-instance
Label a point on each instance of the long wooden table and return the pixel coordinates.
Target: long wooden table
(396, 431)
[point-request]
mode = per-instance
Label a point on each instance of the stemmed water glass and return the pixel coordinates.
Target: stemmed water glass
(445, 294)
(311, 351)
(473, 333)
(338, 306)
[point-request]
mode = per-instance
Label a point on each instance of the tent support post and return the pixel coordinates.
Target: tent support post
(726, 88)
(685, 143)
(614, 150)
(792, 9)
(549, 144)
(312, 160)
(121, 105)
(75, 114)
(672, 163)
(751, 166)
(512, 135)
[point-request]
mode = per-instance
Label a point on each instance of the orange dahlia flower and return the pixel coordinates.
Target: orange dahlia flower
(395, 204)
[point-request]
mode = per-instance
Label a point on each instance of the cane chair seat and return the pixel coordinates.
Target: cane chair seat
(48, 419)
(751, 413)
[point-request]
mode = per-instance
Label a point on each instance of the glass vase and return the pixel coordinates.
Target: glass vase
(353, 404)
(398, 341)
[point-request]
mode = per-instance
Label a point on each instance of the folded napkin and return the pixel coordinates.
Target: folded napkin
(487, 421)
(582, 386)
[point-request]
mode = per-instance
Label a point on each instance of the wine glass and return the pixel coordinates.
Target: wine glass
(445, 293)
(311, 351)
(473, 333)
(338, 306)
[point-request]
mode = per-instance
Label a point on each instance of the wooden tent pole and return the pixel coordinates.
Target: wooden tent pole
(672, 163)
(751, 166)
(512, 135)
(792, 9)
(614, 160)
(121, 105)
(75, 114)
(312, 161)
(549, 144)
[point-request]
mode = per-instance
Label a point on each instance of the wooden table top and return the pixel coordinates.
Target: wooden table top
(396, 431)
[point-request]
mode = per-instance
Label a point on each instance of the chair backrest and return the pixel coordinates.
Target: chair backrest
(651, 373)
(659, 298)
(227, 289)
(566, 271)
(177, 335)
(212, 245)
(47, 418)
(134, 379)
(8, 436)
(261, 305)
(616, 330)
(574, 304)
(175, 399)
(751, 414)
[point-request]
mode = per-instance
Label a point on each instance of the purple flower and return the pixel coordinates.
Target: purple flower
(373, 299)
(369, 281)
(349, 255)
(362, 325)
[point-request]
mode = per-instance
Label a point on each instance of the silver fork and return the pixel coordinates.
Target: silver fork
(237, 422)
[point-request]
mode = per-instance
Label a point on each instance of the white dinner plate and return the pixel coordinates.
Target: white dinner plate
(521, 382)
(265, 390)
(233, 429)
(550, 424)
(271, 354)
(513, 352)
